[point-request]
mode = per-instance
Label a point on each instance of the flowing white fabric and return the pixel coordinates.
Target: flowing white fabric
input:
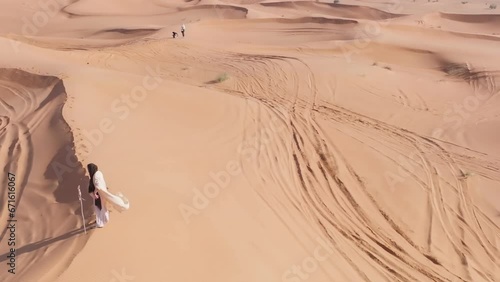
(118, 201)
(101, 216)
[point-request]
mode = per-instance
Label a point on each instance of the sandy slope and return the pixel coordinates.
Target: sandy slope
(35, 141)
(352, 142)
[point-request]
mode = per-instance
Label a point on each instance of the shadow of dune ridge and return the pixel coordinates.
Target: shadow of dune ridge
(336, 10)
(65, 166)
(472, 19)
(37, 128)
(319, 20)
(129, 31)
(69, 174)
(222, 11)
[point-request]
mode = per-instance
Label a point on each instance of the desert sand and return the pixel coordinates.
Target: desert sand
(277, 141)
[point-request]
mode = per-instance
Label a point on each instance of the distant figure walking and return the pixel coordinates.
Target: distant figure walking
(97, 183)
(183, 29)
(174, 34)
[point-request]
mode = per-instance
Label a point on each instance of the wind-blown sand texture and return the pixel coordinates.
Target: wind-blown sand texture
(278, 141)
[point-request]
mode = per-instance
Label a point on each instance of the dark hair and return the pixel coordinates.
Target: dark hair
(92, 168)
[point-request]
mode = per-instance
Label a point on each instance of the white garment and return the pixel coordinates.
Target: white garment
(99, 182)
(101, 215)
(183, 27)
(118, 201)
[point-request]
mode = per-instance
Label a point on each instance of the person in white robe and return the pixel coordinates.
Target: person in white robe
(97, 183)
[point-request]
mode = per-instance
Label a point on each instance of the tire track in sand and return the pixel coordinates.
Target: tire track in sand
(434, 179)
(16, 150)
(322, 149)
(332, 179)
(327, 190)
(438, 203)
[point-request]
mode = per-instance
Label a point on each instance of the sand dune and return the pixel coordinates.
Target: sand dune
(117, 8)
(484, 19)
(341, 11)
(35, 142)
(470, 24)
(277, 141)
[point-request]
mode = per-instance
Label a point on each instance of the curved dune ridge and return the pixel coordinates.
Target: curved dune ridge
(305, 20)
(491, 19)
(219, 10)
(276, 141)
(117, 8)
(341, 11)
(121, 32)
(469, 25)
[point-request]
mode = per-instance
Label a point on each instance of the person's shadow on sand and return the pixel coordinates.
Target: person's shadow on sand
(46, 242)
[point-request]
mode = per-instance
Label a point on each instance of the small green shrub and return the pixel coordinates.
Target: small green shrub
(222, 77)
